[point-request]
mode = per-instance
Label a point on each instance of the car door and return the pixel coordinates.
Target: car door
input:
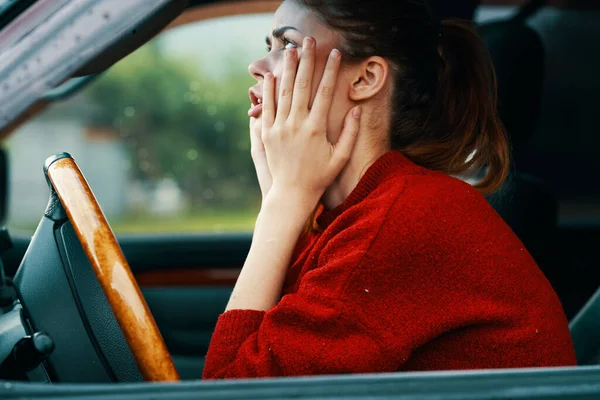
(186, 281)
(162, 138)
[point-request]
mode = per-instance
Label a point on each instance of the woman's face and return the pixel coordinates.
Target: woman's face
(291, 25)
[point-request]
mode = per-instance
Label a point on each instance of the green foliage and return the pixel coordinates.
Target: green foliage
(178, 122)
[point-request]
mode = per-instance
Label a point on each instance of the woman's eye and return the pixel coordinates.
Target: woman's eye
(288, 44)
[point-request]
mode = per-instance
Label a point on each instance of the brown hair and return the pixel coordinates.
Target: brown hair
(444, 106)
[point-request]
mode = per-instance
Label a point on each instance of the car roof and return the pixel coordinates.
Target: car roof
(13, 15)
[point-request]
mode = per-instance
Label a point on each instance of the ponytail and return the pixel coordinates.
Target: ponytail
(469, 135)
(444, 103)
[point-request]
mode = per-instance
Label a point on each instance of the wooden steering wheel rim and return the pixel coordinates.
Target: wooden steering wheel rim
(111, 269)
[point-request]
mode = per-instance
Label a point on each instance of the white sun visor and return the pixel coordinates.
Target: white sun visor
(50, 41)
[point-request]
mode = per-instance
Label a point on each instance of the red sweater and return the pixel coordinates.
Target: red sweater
(414, 271)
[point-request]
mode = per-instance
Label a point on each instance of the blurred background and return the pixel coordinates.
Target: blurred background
(162, 137)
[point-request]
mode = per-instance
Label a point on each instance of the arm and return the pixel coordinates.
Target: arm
(314, 331)
(302, 164)
(277, 229)
(356, 311)
(325, 327)
(364, 307)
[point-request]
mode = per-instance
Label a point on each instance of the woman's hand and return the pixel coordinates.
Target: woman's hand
(302, 162)
(259, 157)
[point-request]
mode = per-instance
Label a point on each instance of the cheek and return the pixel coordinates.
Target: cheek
(339, 108)
(316, 81)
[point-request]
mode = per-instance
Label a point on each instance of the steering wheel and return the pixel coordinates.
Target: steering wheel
(72, 203)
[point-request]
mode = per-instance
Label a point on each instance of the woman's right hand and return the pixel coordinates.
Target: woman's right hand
(259, 157)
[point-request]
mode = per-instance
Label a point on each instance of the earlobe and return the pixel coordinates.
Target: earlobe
(371, 77)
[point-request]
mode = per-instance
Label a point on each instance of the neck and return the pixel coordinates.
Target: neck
(363, 156)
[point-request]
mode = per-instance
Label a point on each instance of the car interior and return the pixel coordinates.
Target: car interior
(58, 324)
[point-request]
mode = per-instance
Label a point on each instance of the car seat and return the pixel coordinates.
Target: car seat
(525, 202)
(585, 331)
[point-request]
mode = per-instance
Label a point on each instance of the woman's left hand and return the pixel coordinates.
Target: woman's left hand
(303, 163)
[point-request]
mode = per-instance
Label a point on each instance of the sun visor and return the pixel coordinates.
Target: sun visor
(79, 38)
(134, 39)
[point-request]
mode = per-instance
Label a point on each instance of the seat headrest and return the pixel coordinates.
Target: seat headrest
(518, 55)
(444, 9)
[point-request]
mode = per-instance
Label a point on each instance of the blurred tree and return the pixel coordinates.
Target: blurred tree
(178, 123)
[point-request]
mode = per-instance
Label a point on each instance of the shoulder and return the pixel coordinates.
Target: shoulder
(406, 208)
(437, 224)
(354, 230)
(437, 201)
(413, 206)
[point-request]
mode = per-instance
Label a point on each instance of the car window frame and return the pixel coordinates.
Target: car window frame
(525, 384)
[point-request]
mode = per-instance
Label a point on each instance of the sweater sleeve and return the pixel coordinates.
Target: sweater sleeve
(311, 332)
(435, 282)
(364, 307)
(305, 334)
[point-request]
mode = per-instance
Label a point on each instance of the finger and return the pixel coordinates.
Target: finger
(268, 108)
(290, 65)
(324, 98)
(303, 83)
(255, 135)
(343, 148)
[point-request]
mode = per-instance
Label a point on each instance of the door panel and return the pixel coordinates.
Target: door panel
(187, 281)
(172, 252)
(186, 317)
(177, 277)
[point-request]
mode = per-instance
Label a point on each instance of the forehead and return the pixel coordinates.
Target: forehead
(291, 14)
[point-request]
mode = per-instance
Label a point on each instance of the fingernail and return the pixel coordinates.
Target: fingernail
(309, 42)
(268, 76)
(290, 53)
(357, 112)
(335, 54)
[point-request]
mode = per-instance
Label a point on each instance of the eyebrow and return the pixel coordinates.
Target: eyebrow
(278, 33)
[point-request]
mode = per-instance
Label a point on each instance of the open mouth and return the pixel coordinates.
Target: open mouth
(256, 101)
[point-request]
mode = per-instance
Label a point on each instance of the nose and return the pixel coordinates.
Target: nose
(258, 69)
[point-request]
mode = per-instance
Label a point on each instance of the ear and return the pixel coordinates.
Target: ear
(370, 78)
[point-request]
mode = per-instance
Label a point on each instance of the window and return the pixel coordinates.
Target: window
(162, 137)
(485, 14)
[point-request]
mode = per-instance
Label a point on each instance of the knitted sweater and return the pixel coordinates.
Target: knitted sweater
(414, 271)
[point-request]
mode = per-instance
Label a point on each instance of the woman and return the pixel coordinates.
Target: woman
(368, 108)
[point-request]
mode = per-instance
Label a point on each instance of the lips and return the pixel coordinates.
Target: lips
(256, 101)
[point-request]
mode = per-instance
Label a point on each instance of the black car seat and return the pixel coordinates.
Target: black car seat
(518, 54)
(525, 202)
(585, 331)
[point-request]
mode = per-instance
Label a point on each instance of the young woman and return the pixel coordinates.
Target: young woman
(367, 108)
